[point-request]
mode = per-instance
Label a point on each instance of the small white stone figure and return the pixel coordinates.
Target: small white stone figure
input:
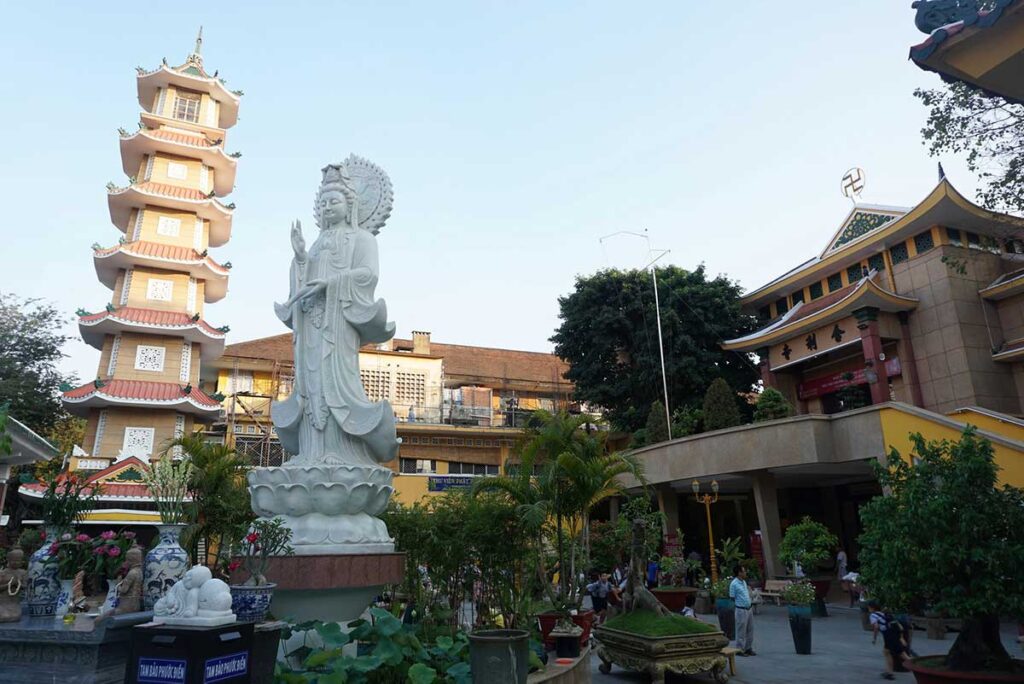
(196, 599)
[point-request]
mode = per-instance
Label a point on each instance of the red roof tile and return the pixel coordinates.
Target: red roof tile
(153, 317)
(197, 139)
(168, 190)
(159, 250)
(813, 307)
(141, 390)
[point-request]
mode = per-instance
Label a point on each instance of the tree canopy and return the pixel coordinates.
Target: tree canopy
(30, 348)
(988, 129)
(949, 539)
(720, 408)
(608, 334)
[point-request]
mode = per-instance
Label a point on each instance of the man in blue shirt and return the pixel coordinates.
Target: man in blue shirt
(739, 592)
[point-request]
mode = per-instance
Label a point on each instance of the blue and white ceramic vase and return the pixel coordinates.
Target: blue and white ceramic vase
(250, 602)
(43, 585)
(63, 604)
(165, 564)
(112, 600)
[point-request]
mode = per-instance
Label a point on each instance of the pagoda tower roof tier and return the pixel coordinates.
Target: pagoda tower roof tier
(146, 141)
(137, 196)
(835, 306)
(110, 261)
(95, 327)
(139, 394)
(190, 76)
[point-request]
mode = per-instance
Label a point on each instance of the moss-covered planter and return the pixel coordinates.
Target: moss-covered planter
(657, 654)
(931, 670)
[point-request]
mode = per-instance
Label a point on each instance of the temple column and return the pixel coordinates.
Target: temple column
(871, 343)
(767, 503)
(909, 361)
(668, 504)
(613, 509)
(767, 376)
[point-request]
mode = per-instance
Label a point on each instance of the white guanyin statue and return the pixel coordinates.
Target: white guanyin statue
(331, 491)
(196, 599)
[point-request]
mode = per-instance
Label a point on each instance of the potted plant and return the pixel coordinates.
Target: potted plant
(166, 562)
(724, 606)
(66, 499)
(72, 554)
(949, 535)
(672, 592)
(266, 538)
(806, 545)
(800, 596)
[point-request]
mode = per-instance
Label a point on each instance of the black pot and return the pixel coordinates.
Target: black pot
(726, 609)
(800, 626)
(567, 646)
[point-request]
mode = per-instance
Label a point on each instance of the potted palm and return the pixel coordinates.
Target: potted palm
(807, 544)
(950, 536)
(167, 562)
(800, 596)
(250, 600)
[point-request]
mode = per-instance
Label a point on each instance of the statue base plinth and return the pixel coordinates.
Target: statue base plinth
(200, 621)
(333, 587)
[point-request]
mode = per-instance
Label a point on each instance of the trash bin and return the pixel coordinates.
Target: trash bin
(166, 654)
(499, 656)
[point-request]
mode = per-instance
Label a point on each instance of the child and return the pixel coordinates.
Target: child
(892, 637)
(688, 608)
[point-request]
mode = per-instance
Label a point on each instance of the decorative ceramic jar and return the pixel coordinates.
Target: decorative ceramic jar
(110, 603)
(43, 585)
(250, 602)
(165, 564)
(63, 603)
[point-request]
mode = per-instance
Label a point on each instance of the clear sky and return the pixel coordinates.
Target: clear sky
(516, 135)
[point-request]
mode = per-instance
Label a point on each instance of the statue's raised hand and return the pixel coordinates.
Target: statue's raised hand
(298, 243)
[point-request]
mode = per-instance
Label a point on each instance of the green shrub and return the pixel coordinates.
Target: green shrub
(771, 405)
(808, 543)
(720, 409)
(649, 623)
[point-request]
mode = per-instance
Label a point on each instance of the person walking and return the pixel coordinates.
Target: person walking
(894, 644)
(599, 592)
(739, 592)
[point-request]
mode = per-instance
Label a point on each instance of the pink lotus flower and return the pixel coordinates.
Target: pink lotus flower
(98, 549)
(113, 552)
(128, 535)
(83, 538)
(109, 534)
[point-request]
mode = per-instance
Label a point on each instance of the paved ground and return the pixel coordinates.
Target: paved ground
(841, 652)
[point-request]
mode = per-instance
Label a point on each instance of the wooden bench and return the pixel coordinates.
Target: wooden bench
(730, 653)
(773, 590)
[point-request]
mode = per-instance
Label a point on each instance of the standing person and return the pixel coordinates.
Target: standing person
(652, 574)
(739, 592)
(599, 591)
(841, 563)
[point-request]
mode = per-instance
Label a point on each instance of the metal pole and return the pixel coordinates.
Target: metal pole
(661, 349)
(711, 539)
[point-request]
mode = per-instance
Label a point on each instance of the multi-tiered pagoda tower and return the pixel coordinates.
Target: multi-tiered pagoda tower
(153, 333)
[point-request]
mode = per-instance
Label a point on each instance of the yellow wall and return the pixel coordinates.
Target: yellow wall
(984, 421)
(897, 426)
(186, 236)
(137, 293)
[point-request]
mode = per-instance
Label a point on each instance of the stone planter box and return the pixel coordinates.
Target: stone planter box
(688, 654)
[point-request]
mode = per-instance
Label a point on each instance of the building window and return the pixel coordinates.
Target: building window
(239, 381)
(239, 429)
(160, 290)
(177, 170)
(138, 442)
(923, 242)
(250, 429)
(835, 282)
(186, 106)
(974, 240)
(854, 273)
(460, 468)
(149, 358)
(1014, 246)
(171, 227)
(781, 307)
(185, 371)
(816, 290)
(764, 313)
(798, 297)
(417, 466)
(898, 253)
(410, 388)
(876, 262)
(376, 383)
(954, 237)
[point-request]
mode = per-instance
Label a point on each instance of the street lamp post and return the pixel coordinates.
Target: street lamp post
(707, 500)
(657, 313)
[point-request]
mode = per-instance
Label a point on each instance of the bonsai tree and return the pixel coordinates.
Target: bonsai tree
(720, 409)
(771, 405)
(808, 543)
(949, 537)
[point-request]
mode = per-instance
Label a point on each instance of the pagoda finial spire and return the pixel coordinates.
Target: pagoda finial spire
(199, 42)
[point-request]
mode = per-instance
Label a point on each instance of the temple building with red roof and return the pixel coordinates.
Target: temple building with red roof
(153, 334)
